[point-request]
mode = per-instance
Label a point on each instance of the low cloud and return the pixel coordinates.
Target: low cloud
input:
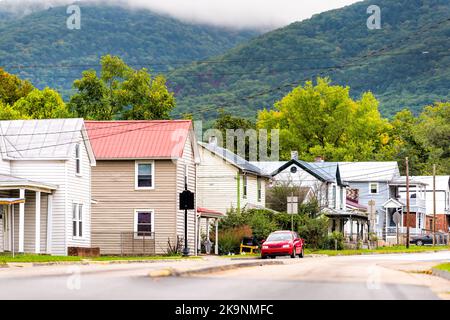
(239, 14)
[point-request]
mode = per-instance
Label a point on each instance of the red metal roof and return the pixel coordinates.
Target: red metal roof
(155, 139)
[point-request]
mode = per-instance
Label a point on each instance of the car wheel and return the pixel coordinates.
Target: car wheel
(263, 257)
(293, 253)
(302, 254)
(419, 243)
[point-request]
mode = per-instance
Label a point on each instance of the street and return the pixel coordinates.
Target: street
(395, 276)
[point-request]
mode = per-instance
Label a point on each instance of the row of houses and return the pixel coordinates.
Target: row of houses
(70, 184)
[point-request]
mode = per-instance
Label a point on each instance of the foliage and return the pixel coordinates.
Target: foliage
(339, 38)
(121, 92)
(324, 120)
(425, 140)
(174, 249)
(314, 231)
(142, 37)
(230, 239)
(276, 195)
(12, 88)
(42, 104)
(334, 241)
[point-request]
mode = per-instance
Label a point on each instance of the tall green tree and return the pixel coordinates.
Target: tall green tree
(12, 88)
(120, 92)
(42, 104)
(323, 119)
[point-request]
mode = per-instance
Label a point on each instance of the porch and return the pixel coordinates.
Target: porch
(354, 225)
(204, 217)
(26, 215)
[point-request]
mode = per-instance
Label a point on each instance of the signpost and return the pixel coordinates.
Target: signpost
(186, 203)
(292, 208)
(397, 218)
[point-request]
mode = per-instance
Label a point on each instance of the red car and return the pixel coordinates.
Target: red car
(282, 243)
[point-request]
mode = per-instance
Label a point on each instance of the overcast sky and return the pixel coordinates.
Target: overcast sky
(267, 14)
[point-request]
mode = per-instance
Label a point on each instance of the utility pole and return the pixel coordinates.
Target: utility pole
(434, 204)
(407, 202)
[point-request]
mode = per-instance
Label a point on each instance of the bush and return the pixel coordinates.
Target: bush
(334, 241)
(314, 231)
(262, 224)
(230, 239)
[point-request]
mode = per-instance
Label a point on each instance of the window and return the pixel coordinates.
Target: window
(373, 188)
(244, 184)
(144, 175)
(334, 197)
(77, 220)
(258, 183)
(143, 222)
(78, 159)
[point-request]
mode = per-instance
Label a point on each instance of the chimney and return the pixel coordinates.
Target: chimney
(294, 155)
(212, 141)
(318, 159)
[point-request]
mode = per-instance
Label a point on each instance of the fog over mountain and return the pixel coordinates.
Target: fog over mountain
(250, 14)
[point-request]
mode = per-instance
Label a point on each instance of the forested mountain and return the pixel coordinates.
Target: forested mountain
(53, 55)
(406, 63)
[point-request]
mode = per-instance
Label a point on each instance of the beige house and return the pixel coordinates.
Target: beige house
(142, 167)
(227, 181)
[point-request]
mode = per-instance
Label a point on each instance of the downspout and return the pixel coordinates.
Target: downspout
(238, 179)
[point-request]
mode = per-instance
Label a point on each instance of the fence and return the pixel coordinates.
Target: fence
(125, 243)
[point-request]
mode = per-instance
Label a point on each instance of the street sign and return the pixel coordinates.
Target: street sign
(292, 205)
(187, 200)
(397, 218)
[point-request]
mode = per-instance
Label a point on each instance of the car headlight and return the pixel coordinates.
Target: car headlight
(265, 247)
(285, 246)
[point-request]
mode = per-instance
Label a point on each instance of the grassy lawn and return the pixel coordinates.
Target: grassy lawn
(380, 250)
(22, 258)
(443, 266)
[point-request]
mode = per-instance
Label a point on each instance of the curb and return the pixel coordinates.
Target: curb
(171, 272)
(440, 273)
(83, 262)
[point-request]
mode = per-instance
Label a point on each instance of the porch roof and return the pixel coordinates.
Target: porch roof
(209, 213)
(11, 200)
(344, 213)
(12, 182)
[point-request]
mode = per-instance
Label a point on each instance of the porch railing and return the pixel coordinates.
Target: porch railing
(125, 243)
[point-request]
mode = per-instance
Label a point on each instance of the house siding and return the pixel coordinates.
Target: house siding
(217, 183)
(79, 191)
(53, 172)
(113, 190)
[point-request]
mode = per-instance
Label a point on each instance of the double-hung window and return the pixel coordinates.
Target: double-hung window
(144, 173)
(258, 183)
(77, 220)
(78, 159)
(373, 188)
(244, 185)
(144, 222)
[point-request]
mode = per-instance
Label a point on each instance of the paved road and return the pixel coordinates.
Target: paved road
(355, 277)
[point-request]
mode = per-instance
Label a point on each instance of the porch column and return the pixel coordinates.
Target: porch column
(37, 227)
(351, 228)
(21, 221)
(199, 238)
(216, 244)
(207, 229)
(49, 223)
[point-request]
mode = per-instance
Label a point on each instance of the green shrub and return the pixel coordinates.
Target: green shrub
(314, 231)
(334, 241)
(262, 224)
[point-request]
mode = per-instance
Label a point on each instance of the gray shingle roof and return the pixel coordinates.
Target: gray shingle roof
(233, 158)
(39, 139)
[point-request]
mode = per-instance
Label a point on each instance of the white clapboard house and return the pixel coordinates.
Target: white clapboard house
(45, 186)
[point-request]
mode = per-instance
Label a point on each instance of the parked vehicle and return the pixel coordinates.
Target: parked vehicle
(422, 240)
(282, 243)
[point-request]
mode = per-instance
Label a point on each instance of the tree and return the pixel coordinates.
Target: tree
(121, 93)
(12, 88)
(45, 104)
(324, 120)
(9, 113)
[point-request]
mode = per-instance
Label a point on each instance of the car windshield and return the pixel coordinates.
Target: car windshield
(279, 237)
